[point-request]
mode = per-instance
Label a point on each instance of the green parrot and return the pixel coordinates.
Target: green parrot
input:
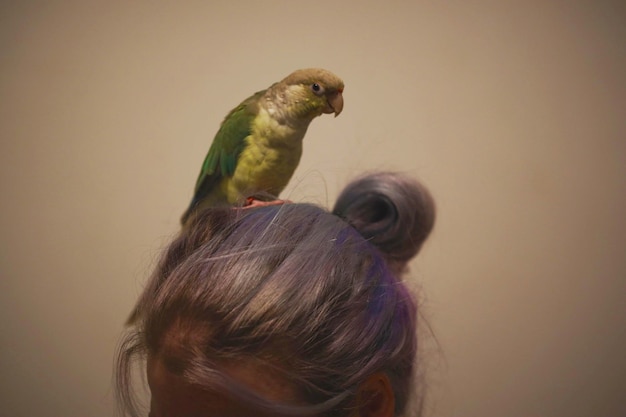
(258, 145)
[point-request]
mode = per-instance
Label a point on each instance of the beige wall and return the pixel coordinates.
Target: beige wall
(512, 112)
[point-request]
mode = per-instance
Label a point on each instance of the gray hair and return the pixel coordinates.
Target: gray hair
(317, 296)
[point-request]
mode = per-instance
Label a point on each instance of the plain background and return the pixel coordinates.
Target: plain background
(513, 113)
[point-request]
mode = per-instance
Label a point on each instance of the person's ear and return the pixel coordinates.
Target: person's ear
(375, 397)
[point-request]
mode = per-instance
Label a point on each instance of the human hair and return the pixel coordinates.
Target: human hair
(315, 296)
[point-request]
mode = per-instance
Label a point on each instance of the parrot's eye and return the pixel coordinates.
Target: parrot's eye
(317, 89)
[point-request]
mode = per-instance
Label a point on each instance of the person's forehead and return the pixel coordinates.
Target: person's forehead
(173, 397)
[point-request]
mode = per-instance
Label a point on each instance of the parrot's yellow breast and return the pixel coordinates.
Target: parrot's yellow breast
(268, 161)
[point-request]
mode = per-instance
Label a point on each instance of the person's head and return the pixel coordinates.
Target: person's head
(285, 310)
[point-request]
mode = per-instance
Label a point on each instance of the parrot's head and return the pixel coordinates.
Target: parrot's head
(313, 91)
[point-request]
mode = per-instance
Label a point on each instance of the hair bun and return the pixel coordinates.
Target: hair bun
(394, 212)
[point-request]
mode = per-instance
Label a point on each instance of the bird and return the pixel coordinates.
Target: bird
(258, 145)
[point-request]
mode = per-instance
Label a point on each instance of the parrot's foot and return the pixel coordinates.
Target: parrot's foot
(252, 202)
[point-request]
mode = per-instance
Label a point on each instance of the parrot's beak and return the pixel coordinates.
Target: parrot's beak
(335, 103)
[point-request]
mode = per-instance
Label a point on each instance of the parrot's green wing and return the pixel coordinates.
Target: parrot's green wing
(229, 142)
